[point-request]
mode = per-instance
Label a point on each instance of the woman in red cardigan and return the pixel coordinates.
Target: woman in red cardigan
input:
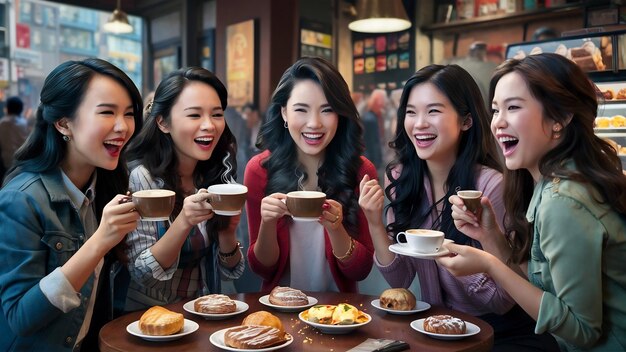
(312, 139)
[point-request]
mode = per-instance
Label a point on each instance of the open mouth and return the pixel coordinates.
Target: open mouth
(113, 147)
(508, 143)
(313, 137)
(205, 141)
(424, 140)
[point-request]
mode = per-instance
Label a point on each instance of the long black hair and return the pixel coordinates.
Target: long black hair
(569, 98)
(337, 176)
(61, 95)
(477, 147)
(156, 151)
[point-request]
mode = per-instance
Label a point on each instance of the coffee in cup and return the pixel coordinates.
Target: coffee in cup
(422, 240)
(227, 199)
(154, 204)
(471, 199)
(305, 204)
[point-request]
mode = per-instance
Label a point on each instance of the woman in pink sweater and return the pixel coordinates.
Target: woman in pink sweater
(442, 144)
(312, 139)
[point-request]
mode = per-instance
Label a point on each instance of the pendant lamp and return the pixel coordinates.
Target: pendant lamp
(380, 16)
(118, 22)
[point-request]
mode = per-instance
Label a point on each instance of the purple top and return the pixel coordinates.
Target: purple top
(474, 294)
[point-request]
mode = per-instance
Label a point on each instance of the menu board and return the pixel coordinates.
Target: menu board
(316, 39)
(381, 61)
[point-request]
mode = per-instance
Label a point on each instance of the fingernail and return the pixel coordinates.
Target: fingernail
(326, 206)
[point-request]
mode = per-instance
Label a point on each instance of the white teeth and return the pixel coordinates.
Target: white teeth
(210, 139)
(425, 136)
(115, 143)
(312, 135)
(506, 139)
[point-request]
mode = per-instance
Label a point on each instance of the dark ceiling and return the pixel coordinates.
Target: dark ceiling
(133, 7)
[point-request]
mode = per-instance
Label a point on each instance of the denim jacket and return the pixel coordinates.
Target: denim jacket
(40, 230)
(577, 259)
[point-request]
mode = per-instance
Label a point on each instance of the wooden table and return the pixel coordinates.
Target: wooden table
(113, 336)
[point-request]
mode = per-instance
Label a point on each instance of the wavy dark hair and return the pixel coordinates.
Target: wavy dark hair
(337, 176)
(155, 150)
(566, 94)
(476, 147)
(61, 95)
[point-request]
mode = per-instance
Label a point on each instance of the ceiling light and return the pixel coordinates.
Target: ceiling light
(380, 16)
(118, 22)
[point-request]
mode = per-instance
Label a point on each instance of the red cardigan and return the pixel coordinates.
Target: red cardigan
(346, 273)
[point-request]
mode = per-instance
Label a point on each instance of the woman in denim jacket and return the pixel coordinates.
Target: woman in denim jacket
(60, 207)
(567, 210)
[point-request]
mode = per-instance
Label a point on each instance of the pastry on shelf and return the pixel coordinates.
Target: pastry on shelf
(618, 121)
(603, 122)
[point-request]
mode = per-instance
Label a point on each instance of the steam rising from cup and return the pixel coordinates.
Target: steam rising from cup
(226, 178)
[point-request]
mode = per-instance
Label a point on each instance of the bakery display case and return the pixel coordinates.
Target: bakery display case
(603, 56)
(611, 120)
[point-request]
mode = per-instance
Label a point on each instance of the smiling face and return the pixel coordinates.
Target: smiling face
(519, 126)
(104, 122)
(196, 123)
(311, 120)
(433, 125)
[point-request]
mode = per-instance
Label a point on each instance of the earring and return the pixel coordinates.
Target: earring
(556, 131)
(285, 124)
(67, 138)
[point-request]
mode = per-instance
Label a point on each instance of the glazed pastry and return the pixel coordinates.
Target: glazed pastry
(263, 318)
(158, 321)
(621, 94)
(398, 299)
(215, 304)
(603, 122)
(287, 296)
(254, 337)
(444, 324)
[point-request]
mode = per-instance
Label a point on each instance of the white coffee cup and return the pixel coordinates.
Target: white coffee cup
(422, 240)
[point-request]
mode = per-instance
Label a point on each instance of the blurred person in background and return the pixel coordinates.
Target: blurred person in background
(373, 127)
(13, 131)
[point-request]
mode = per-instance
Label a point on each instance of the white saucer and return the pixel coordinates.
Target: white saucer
(295, 218)
(404, 249)
(217, 339)
(419, 307)
(189, 326)
(241, 307)
(265, 300)
(470, 330)
(227, 212)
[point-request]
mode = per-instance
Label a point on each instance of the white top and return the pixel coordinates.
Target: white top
(308, 267)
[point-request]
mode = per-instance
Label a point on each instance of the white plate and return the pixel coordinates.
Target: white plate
(189, 326)
(335, 329)
(419, 307)
(265, 300)
(404, 249)
(470, 330)
(227, 212)
(241, 307)
(217, 339)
